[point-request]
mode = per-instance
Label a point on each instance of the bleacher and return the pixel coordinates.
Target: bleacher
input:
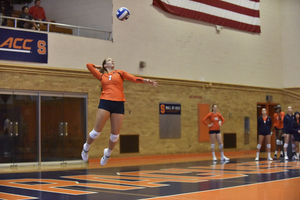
(52, 27)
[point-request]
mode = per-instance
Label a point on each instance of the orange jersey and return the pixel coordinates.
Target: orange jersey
(112, 83)
(213, 118)
(278, 123)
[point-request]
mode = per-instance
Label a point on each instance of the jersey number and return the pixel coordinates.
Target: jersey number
(109, 77)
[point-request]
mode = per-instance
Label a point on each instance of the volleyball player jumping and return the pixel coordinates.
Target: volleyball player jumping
(214, 131)
(111, 104)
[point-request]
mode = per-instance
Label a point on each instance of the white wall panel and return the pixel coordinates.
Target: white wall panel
(176, 47)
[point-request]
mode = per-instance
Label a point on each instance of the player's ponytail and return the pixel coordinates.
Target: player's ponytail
(103, 69)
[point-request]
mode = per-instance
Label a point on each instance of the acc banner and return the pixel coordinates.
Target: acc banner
(168, 108)
(23, 46)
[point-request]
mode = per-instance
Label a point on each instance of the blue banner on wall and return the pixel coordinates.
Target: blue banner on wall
(168, 108)
(23, 46)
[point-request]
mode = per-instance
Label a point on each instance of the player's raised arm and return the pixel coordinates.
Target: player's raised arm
(93, 69)
(135, 79)
(152, 82)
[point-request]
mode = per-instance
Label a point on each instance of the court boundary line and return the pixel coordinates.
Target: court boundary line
(222, 188)
(20, 195)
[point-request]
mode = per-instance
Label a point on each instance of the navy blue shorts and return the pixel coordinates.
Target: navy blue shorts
(214, 132)
(264, 134)
(296, 137)
(112, 106)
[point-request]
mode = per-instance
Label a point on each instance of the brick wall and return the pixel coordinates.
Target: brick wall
(142, 106)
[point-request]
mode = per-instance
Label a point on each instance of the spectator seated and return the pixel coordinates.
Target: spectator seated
(53, 28)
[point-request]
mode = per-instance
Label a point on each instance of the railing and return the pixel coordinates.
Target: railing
(78, 29)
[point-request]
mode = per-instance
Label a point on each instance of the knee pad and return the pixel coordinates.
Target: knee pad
(293, 145)
(281, 142)
(268, 146)
(114, 138)
(94, 134)
(258, 146)
(212, 146)
(285, 145)
(278, 142)
(221, 146)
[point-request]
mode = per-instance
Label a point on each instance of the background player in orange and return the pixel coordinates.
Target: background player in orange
(278, 127)
(214, 120)
(111, 104)
(264, 124)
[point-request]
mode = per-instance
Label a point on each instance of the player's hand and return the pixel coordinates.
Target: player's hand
(210, 125)
(154, 83)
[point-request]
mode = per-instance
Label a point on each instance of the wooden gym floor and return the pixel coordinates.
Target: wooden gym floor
(176, 177)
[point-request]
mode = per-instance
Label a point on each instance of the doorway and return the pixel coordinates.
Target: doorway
(18, 130)
(270, 107)
(62, 127)
(37, 127)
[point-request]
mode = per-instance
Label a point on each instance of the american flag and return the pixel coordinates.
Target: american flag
(237, 14)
